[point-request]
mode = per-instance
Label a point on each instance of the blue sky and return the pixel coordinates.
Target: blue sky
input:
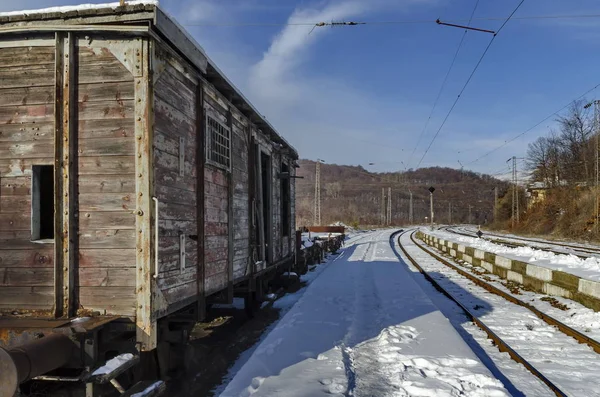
(362, 94)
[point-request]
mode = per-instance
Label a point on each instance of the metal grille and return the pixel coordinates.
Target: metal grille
(218, 143)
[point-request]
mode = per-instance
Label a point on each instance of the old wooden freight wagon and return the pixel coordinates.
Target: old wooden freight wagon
(138, 185)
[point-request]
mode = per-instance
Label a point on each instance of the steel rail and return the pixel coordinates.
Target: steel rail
(565, 329)
(497, 240)
(502, 346)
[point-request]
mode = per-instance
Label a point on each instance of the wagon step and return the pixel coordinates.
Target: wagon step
(146, 388)
(113, 368)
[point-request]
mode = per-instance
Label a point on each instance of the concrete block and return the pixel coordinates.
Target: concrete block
(541, 273)
(467, 258)
(479, 254)
(589, 287)
(461, 248)
(487, 266)
(503, 262)
(453, 252)
(514, 276)
(556, 291)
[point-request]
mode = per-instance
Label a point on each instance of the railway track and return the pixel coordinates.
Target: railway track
(584, 252)
(566, 332)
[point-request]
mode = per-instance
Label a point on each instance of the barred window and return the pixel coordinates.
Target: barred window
(218, 143)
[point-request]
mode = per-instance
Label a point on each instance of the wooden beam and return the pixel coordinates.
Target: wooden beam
(146, 327)
(200, 198)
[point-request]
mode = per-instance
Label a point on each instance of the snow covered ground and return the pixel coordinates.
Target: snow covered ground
(364, 328)
(586, 268)
(570, 365)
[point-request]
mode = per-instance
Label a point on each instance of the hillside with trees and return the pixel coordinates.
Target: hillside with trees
(353, 195)
(563, 169)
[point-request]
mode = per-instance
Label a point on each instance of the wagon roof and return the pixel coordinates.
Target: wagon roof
(141, 13)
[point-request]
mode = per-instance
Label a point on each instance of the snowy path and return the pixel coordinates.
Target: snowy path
(364, 328)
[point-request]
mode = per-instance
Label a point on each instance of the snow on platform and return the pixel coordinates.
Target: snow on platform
(588, 268)
(364, 328)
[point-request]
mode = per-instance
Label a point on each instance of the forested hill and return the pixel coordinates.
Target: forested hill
(354, 195)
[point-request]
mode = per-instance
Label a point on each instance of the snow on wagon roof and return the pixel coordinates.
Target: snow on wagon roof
(63, 9)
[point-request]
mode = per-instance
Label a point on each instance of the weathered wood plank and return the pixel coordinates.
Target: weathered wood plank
(169, 259)
(15, 221)
(215, 242)
(170, 144)
(170, 121)
(26, 132)
(26, 298)
(176, 278)
(26, 96)
(104, 92)
(107, 202)
(41, 257)
(215, 283)
(106, 147)
(30, 150)
(26, 113)
(215, 228)
(104, 110)
(179, 293)
(107, 239)
(10, 204)
(216, 255)
(106, 165)
(106, 128)
(120, 258)
(106, 277)
(100, 66)
(175, 93)
(23, 56)
(108, 300)
(29, 76)
(174, 195)
(173, 228)
(20, 240)
(27, 276)
(106, 184)
(176, 211)
(215, 215)
(106, 220)
(169, 162)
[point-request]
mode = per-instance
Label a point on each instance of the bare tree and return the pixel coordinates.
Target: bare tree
(575, 131)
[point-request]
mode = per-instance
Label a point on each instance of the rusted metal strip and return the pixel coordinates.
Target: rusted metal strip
(146, 329)
(69, 160)
(200, 155)
(58, 177)
(502, 346)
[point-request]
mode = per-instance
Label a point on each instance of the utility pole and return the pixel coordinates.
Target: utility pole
(389, 210)
(431, 190)
(495, 203)
(470, 214)
(410, 209)
(383, 206)
(515, 195)
(449, 212)
(596, 132)
(317, 208)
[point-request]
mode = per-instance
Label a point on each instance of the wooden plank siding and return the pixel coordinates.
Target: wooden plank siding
(175, 119)
(105, 277)
(240, 148)
(216, 212)
(26, 139)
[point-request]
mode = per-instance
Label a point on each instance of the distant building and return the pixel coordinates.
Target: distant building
(536, 193)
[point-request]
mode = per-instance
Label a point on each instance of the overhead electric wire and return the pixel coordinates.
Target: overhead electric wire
(535, 126)
(399, 22)
(468, 80)
(443, 85)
